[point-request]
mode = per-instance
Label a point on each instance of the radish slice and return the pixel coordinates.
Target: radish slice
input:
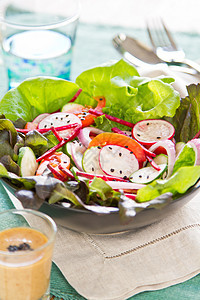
(118, 161)
(117, 185)
(77, 151)
(84, 135)
(40, 117)
(169, 146)
(148, 132)
(71, 108)
(195, 144)
(60, 119)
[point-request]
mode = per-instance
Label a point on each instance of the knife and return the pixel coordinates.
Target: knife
(141, 55)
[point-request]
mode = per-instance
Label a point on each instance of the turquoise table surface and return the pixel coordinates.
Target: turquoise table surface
(94, 46)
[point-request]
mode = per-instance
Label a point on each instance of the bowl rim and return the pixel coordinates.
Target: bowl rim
(190, 191)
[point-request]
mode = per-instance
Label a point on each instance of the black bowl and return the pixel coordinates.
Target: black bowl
(85, 221)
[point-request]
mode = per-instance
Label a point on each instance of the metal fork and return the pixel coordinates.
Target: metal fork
(165, 46)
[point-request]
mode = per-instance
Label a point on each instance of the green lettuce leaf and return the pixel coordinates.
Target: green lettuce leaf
(36, 96)
(186, 120)
(101, 188)
(178, 183)
(129, 96)
(104, 124)
(186, 158)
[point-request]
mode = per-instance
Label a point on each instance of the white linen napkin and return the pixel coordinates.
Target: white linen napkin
(117, 266)
(181, 79)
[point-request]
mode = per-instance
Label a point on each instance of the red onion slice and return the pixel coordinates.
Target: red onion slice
(84, 135)
(169, 146)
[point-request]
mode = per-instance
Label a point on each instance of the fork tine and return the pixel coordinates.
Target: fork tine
(169, 35)
(156, 34)
(150, 35)
(159, 34)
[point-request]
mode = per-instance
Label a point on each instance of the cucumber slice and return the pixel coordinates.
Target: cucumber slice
(159, 160)
(27, 162)
(90, 161)
(147, 174)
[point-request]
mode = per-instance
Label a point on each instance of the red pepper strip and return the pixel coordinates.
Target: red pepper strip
(76, 95)
(56, 134)
(56, 173)
(131, 196)
(66, 172)
(147, 152)
(62, 143)
(43, 130)
(153, 164)
(117, 130)
(106, 178)
(111, 118)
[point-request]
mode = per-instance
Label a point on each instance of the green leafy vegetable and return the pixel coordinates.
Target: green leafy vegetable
(5, 146)
(178, 183)
(104, 124)
(129, 96)
(36, 96)
(186, 120)
(10, 165)
(185, 158)
(99, 187)
(10, 128)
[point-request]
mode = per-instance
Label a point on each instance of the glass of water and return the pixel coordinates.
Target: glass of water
(37, 37)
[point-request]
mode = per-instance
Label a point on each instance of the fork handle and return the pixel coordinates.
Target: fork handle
(195, 66)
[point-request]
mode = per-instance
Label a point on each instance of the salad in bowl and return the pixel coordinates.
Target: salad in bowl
(111, 142)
